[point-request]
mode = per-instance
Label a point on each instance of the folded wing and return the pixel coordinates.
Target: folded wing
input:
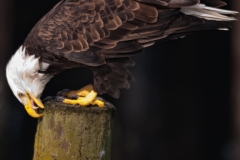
(103, 34)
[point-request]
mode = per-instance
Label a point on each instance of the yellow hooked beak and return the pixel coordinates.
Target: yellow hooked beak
(30, 107)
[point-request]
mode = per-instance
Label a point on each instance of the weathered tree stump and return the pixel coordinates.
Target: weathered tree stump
(79, 133)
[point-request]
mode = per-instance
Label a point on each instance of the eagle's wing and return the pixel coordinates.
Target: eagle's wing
(99, 32)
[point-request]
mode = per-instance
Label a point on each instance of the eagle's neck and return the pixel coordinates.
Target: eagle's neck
(23, 72)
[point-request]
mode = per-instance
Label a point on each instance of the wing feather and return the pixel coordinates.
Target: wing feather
(103, 34)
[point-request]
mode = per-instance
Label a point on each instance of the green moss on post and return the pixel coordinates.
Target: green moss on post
(68, 132)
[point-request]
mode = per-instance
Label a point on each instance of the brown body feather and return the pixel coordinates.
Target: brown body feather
(103, 34)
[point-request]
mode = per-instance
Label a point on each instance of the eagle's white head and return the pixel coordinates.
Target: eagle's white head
(25, 81)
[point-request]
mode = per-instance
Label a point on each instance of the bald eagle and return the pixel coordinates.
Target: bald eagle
(102, 35)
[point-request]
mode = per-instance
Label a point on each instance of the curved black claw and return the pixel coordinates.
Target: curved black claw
(101, 99)
(62, 91)
(107, 104)
(110, 105)
(73, 96)
(59, 98)
(47, 99)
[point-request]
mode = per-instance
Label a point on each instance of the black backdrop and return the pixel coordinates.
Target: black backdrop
(179, 108)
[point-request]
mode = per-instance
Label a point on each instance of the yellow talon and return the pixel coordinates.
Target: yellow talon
(83, 92)
(79, 101)
(98, 102)
(86, 95)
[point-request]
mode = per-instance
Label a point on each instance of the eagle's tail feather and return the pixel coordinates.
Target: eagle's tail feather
(209, 13)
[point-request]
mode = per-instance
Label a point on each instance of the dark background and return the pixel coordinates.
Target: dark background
(181, 107)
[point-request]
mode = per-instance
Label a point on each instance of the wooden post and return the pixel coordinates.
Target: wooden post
(79, 133)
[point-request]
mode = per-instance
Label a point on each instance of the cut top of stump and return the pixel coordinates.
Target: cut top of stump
(51, 105)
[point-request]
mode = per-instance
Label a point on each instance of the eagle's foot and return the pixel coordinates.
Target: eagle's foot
(83, 102)
(83, 92)
(83, 97)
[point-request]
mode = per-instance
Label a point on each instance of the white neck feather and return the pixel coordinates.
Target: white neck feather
(22, 74)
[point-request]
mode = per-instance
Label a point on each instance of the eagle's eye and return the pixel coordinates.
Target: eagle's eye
(20, 95)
